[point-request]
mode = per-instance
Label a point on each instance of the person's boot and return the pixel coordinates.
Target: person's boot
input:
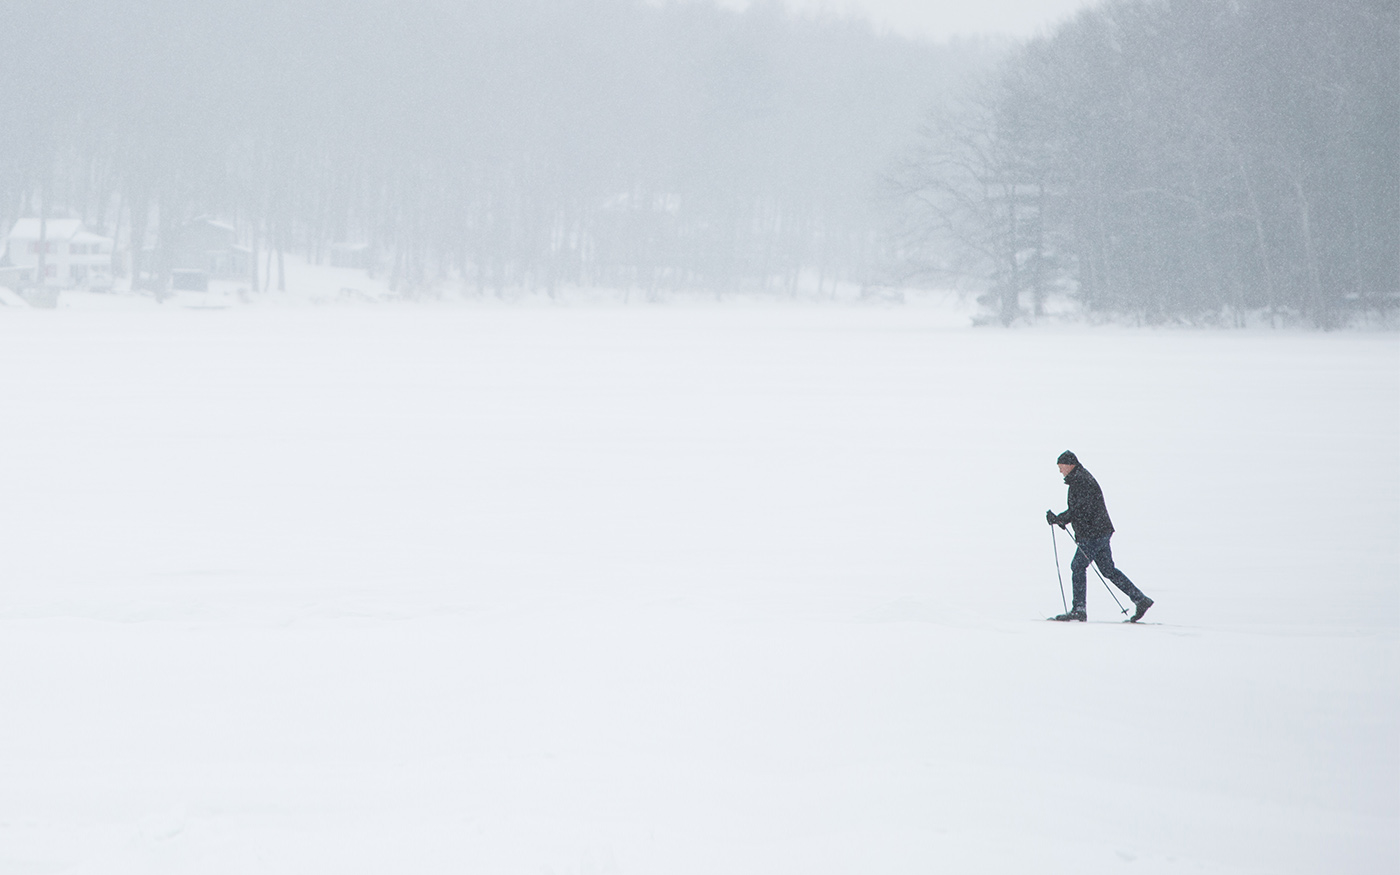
(1076, 614)
(1142, 607)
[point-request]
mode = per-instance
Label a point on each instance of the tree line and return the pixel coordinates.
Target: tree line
(529, 143)
(1166, 159)
(1173, 159)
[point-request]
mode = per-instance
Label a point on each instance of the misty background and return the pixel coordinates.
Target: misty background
(1194, 159)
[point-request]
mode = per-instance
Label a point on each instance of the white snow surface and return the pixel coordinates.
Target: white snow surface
(684, 589)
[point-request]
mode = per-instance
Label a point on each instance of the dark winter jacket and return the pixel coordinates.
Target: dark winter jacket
(1087, 512)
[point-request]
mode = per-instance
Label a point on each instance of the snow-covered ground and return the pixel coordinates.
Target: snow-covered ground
(584, 591)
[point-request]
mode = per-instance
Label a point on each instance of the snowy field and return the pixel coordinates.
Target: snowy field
(649, 590)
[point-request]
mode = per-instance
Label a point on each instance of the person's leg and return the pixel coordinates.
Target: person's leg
(1104, 559)
(1078, 575)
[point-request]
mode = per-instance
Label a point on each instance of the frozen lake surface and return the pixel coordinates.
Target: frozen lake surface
(689, 590)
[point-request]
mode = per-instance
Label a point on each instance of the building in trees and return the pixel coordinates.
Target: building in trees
(71, 254)
(211, 246)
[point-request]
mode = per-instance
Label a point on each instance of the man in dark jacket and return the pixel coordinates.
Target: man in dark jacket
(1092, 530)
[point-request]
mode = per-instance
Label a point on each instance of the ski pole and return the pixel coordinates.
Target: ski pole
(1097, 573)
(1055, 542)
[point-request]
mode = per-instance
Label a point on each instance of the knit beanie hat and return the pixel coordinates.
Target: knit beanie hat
(1067, 458)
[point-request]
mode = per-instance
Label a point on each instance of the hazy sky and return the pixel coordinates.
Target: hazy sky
(942, 18)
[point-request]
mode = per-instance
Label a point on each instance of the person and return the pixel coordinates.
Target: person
(1092, 531)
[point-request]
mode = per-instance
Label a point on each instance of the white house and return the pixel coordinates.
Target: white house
(73, 255)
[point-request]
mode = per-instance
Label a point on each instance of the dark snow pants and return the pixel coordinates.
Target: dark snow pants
(1098, 552)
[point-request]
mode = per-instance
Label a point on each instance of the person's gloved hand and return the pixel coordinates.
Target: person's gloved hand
(1050, 517)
